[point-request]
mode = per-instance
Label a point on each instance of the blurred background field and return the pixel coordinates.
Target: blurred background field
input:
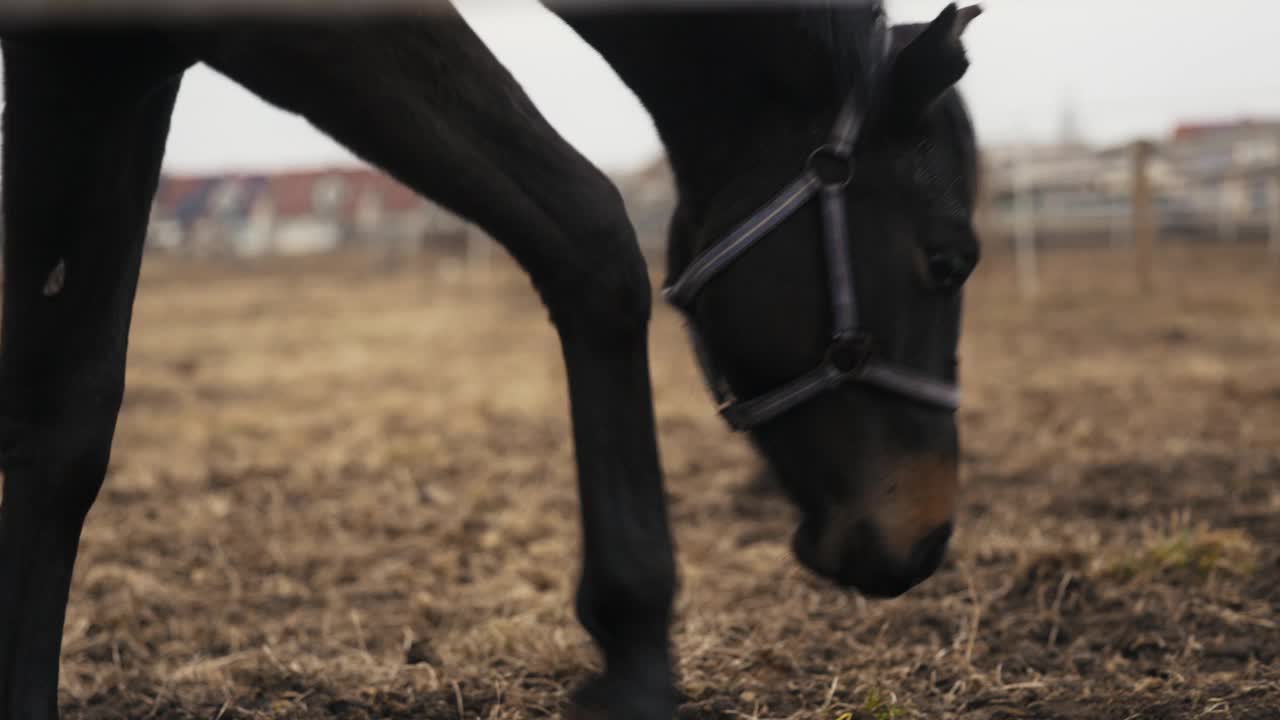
(343, 491)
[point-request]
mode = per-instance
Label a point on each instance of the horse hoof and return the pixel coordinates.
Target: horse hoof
(601, 699)
(577, 712)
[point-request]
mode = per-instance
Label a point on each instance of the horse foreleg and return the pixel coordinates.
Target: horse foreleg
(85, 122)
(424, 99)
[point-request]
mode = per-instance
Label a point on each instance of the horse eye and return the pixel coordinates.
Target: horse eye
(949, 270)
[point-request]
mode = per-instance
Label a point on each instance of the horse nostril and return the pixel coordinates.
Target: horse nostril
(927, 555)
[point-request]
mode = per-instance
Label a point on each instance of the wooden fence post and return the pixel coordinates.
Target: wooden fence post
(1119, 221)
(984, 212)
(1273, 217)
(1143, 216)
(1228, 227)
(1024, 227)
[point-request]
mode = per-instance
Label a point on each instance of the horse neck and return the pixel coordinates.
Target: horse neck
(728, 92)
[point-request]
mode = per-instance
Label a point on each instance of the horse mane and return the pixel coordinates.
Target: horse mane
(836, 30)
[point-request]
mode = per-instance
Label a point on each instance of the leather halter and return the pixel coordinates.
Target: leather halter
(851, 356)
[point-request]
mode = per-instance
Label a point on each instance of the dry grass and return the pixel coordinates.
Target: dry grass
(1199, 551)
(340, 495)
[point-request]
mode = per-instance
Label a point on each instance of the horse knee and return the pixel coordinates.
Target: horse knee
(603, 287)
(616, 297)
(57, 462)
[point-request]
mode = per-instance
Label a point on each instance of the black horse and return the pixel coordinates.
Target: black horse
(835, 321)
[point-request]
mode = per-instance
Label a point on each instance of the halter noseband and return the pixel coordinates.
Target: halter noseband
(851, 356)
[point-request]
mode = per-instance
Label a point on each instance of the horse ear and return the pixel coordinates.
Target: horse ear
(931, 59)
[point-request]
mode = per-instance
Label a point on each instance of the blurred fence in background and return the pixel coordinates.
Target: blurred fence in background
(1216, 183)
(1212, 183)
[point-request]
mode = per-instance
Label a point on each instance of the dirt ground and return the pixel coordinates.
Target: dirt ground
(339, 494)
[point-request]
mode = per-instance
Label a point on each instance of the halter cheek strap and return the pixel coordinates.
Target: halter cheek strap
(851, 356)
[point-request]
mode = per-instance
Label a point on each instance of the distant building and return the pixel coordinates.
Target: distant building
(319, 211)
(295, 213)
(1247, 130)
(1233, 163)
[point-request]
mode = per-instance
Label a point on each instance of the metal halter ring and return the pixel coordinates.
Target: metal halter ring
(830, 155)
(848, 353)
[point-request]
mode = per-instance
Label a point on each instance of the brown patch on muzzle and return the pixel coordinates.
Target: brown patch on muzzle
(915, 498)
(919, 496)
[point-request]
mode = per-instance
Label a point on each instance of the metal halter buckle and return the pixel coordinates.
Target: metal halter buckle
(826, 161)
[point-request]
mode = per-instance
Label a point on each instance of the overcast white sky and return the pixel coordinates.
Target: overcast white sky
(1127, 66)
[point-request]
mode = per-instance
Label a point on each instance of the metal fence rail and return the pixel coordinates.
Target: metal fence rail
(1223, 188)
